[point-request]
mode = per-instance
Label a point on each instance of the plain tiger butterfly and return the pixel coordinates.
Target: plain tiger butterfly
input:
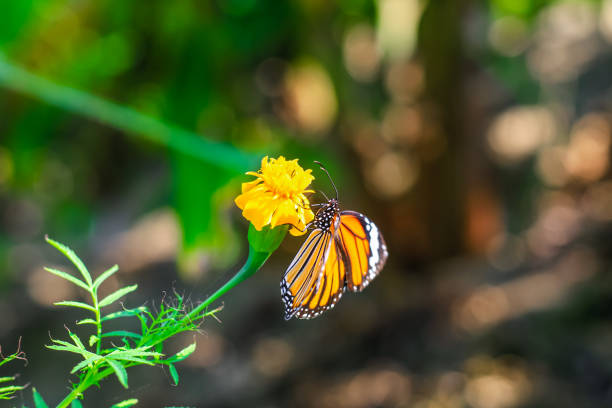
(345, 250)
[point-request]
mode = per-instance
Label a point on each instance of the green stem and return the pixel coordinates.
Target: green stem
(254, 261)
(126, 119)
(265, 240)
(252, 264)
(94, 297)
(74, 394)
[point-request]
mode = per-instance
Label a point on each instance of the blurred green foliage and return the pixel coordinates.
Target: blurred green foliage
(476, 134)
(190, 64)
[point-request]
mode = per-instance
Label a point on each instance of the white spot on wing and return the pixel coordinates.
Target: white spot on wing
(374, 246)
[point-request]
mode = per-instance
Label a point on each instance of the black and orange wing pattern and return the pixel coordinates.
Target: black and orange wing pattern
(301, 279)
(345, 250)
(364, 247)
(330, 286)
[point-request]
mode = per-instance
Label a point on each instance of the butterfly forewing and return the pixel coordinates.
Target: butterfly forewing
(330, 286)
(302, 278)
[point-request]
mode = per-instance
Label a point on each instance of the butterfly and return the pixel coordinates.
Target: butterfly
(344, 250)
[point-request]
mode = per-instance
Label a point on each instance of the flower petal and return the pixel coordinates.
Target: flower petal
(259, 211)
(276, 195)
(285, 213)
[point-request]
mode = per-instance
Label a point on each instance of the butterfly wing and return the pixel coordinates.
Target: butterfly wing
(348, 252)
(302, 279)
(330, 286)
(316, 279)
(365, 249)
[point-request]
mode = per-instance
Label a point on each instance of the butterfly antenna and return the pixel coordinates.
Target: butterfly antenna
(330, 179)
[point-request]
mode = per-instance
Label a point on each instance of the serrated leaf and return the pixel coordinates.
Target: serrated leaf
(77, 341)
(122, 333)
(68, 277)
(92, 340)
(75, 304)
(183, 354)
(105, 275)
(85, 363)
(69, 253)
(119, 371)
(125, 404)
(117, 295)
(76, 404)
(137, 352)
(62, 342)
(135, 360)
(173, 373)
(124, 313)
(57, 348)
(87, 321)
(71, 348)
(39, 402)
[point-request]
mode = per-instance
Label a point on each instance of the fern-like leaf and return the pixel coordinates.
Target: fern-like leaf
(110, 299)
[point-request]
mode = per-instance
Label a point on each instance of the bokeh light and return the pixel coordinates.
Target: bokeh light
(310, 98)
(477, 137)
(361, 55)
(520, 131)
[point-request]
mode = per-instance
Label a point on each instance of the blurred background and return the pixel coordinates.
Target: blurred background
(476, 134)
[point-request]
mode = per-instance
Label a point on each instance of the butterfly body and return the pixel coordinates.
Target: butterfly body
(344, 251)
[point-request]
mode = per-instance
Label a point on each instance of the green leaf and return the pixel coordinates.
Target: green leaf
(126, 403)
(183, 354)
(68, 277)
(116, 295)
(119, 371)
(122, 333)
(75, 304)
(107, 274)
(159, 347)
(73, 258)
(173, 373)
(198, 211)
(11, 388)
(87, 321)
(65, 346)
(129, 121)
(7, 379)
(8, 392)
(39, 402)
(124, 313)
(85, 363)
(76, 404)
(92, 340)
(135, 360)
(77, 341)
(137, 352)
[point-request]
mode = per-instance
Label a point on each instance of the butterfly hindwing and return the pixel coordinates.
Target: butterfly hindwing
(365, 249)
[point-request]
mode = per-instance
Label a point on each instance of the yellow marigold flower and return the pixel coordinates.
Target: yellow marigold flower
(276, 196)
